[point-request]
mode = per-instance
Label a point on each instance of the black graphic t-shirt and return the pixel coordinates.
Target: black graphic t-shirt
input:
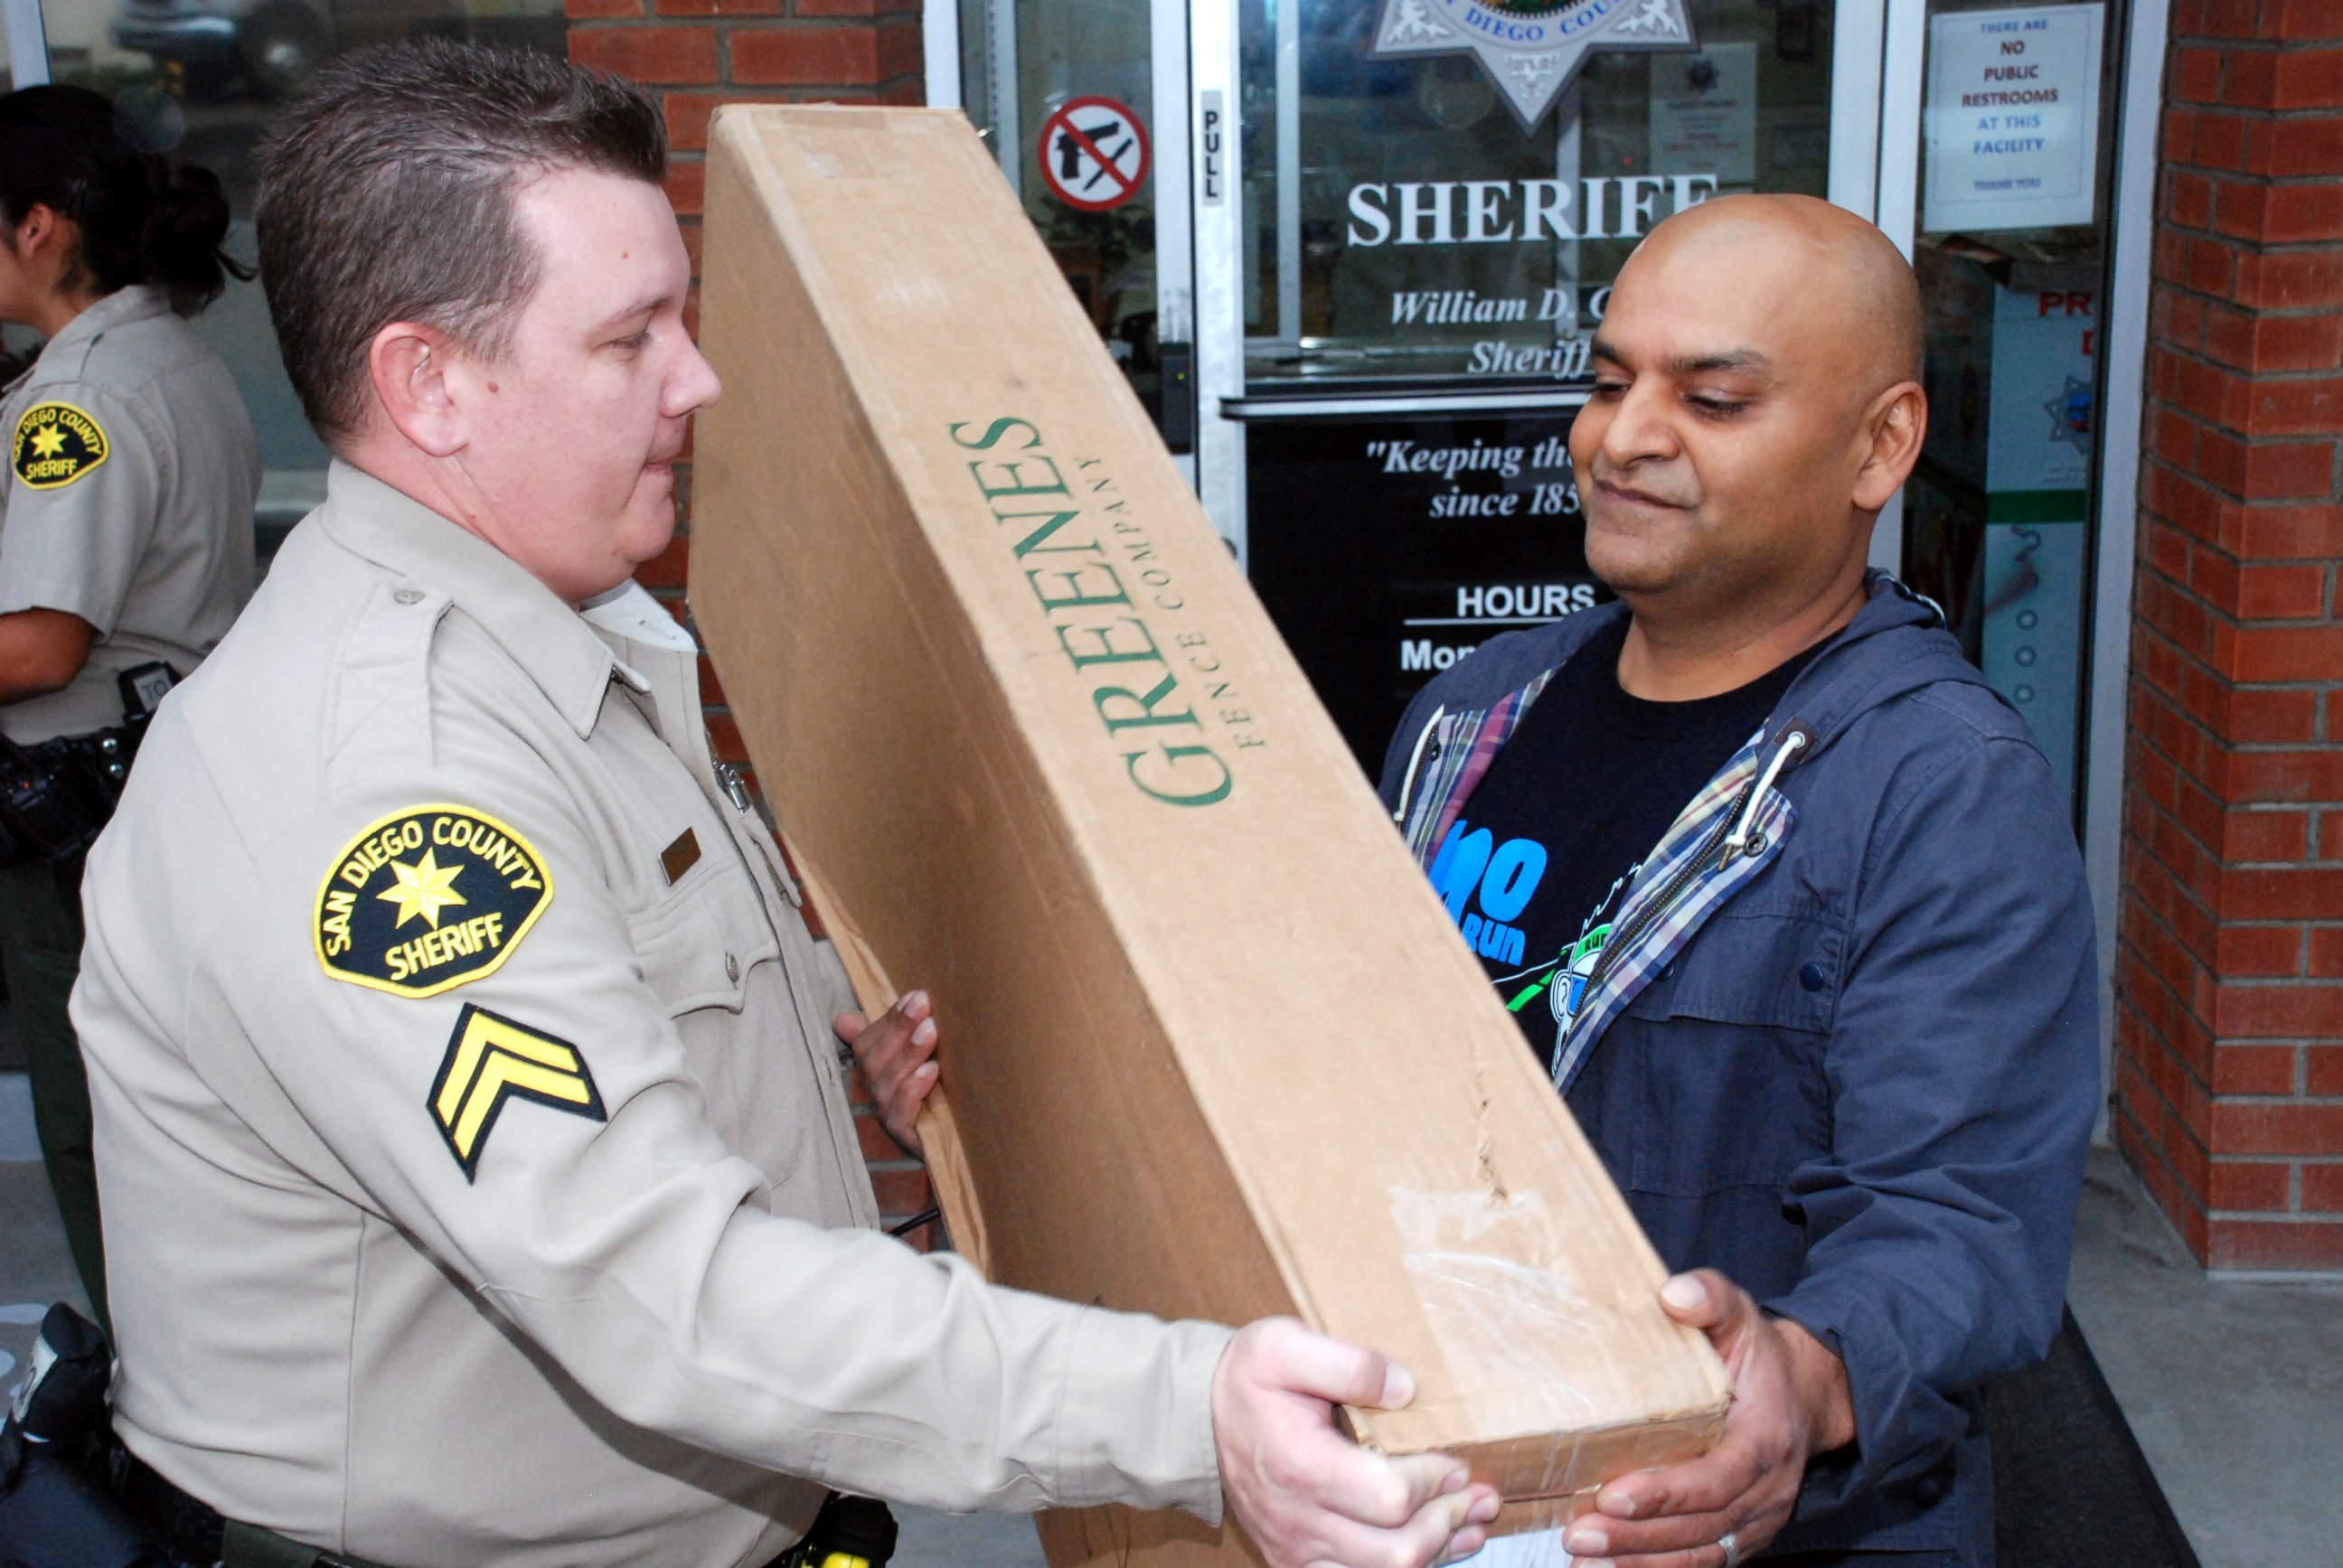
(1537, 868)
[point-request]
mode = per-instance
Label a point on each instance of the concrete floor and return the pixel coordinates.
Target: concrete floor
(2235, 1389)
(970, 1541)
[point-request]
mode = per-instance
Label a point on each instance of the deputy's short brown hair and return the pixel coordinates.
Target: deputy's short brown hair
(386, 195)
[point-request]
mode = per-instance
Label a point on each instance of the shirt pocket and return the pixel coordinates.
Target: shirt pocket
(698, 944)
(1728, 1048)
(701, 948)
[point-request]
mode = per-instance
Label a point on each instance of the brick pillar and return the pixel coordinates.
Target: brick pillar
(2229, 980)
(697, 54)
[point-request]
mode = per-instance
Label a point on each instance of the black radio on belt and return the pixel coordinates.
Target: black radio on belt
(55, 795)
(143, 689)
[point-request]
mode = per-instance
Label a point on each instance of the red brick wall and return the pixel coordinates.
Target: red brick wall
(697, 54)
(2229, 978)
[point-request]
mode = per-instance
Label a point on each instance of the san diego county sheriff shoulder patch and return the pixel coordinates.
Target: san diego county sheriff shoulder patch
(56, 444)
(428, 898)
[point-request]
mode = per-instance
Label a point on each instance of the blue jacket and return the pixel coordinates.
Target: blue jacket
(1842, 1045)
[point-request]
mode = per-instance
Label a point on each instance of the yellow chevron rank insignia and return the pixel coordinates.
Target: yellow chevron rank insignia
(56, 444)
(492, 1059)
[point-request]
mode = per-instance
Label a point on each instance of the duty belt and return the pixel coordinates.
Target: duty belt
(848, 1532)
(250, 1546)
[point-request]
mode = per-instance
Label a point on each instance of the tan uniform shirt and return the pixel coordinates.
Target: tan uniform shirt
(132, 472)
(479, 1180)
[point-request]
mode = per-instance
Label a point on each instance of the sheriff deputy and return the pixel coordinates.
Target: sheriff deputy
(125, 540)
(481, 1178)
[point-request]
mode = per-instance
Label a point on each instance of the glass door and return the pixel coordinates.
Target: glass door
(1086, 112)
(1436, 195)
(2011, 236)
(1417, 217)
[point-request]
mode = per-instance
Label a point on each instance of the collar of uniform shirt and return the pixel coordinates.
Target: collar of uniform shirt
(627, 615)
(121, 308)
(547, 638)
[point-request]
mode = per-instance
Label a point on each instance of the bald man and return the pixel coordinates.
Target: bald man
(1789, 901)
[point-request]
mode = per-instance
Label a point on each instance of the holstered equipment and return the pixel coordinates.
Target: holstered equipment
(58, 1508)
(55, 795)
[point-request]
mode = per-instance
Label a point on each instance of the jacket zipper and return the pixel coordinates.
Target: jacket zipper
(1671, 891)
(1415, 760)
(1793, 738)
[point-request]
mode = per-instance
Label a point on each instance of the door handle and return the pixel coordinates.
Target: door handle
(1178, 421)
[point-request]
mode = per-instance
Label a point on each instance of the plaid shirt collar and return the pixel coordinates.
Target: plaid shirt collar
(1732, 830)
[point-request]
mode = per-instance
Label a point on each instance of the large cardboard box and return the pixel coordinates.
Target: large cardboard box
(1210, 1045)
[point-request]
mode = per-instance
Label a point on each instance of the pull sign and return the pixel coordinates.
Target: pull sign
(1214, 120)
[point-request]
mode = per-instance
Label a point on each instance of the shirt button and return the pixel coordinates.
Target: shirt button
(409, 596)
(731, 967)
(1811, 976)
(1928, 1489)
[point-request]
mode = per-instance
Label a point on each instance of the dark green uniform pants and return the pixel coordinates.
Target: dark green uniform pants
(40, 943)
(250, 1546)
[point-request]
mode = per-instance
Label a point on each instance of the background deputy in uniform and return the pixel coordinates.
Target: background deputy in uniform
(479, 1174)
(126, 533)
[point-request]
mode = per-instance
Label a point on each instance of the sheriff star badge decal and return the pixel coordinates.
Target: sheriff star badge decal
(1532, 49)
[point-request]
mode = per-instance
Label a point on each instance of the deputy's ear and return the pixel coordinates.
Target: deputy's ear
(25, 233)
(1896, 423)
(407, 364)
(42, 225)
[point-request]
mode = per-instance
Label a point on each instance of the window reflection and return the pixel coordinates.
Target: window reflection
(202, 80)
(1055, 86)
(1403, 225)
(2018, 130)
